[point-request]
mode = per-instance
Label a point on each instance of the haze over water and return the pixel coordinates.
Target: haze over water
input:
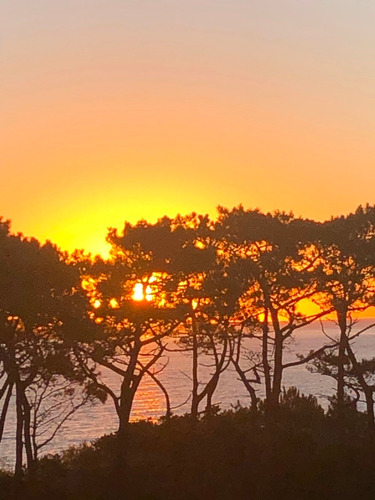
(92, 422)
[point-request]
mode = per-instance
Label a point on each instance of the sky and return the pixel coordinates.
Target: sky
(114, 110)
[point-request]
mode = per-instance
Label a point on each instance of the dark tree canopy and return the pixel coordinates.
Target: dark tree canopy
(191, 283)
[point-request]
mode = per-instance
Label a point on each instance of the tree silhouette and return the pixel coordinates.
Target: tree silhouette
(346, 277)
(213, 289)
(275, 255)
(40, 308)
(130, 340)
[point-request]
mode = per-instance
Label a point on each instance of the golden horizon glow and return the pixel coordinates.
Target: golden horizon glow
(125, 110)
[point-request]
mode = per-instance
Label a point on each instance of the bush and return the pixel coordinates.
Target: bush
(240, 453)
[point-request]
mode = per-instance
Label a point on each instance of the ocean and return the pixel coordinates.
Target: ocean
(91, 422)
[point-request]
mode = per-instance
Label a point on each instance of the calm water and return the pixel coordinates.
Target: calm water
(92, 422)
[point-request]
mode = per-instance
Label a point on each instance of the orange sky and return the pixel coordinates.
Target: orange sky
(114, 110)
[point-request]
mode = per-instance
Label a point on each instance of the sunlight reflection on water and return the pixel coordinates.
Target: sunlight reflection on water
(94, 421)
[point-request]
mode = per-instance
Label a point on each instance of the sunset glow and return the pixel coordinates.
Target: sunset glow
(142, 292)
(187, 249)
(125, 110)
(138, 292)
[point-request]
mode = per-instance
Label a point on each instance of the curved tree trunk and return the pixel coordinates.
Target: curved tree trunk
(4, 410)
(266, 366)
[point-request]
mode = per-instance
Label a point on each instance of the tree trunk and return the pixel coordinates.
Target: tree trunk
(4, 410)
(126, 403)
(366, 388)
(27, 433)
(19, 428)
(278, 370)
(129, 386)
(219, 364)
(250, 389)
(265, 363)
(370, 412)
(195, 396)
(210, 389)
(122, 476)
(168, 410)
(342, 321)
(277, 361)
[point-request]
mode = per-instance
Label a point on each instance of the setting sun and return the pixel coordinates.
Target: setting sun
(187, 236)
(141, 292)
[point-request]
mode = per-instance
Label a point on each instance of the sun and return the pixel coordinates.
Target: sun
(142, 292)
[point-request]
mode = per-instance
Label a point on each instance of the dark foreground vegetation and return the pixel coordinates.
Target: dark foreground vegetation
(301, 453)
(204, 287)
